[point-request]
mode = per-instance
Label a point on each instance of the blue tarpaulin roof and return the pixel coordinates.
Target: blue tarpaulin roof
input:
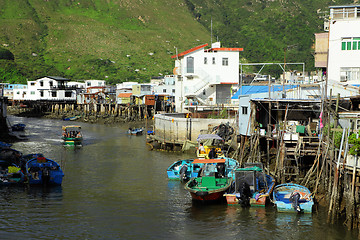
(247, 90)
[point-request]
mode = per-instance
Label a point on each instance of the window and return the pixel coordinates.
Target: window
(88, 84)
(350, 43)
(51, 83)
(225, 61)
(41, 94)
(205, 60)
(213, 60)
(244, 110)
(53, 94)
(67, 94)
(173, 90)
(32, 84)
(17, 92)
(164, 90)
(32, 92)
(190, 65)
(41, 83)
(349, 74)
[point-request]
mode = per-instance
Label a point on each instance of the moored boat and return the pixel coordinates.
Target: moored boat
(72, 136)
(136, 131)
(43, 171)
(252, 187)
(183, 170)
(10, 173)
(291, 197)
(18, 127)
(212, 182)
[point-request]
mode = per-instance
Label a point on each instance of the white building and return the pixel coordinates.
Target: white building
(47, 88)
(95, 86)
(205, 76)
(166, 87)
(344, 46)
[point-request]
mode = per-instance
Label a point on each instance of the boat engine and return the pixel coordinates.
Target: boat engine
(183, 177)
(245, 194)
(294, 199)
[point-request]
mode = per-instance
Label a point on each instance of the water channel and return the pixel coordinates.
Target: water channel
(114, 188)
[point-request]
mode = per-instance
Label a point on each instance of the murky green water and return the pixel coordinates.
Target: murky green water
(114, 188)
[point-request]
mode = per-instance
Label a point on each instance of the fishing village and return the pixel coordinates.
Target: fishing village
(212, 138)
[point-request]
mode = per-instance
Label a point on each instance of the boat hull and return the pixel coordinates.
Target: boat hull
(282, 193)
(205, 196)
(231, 199)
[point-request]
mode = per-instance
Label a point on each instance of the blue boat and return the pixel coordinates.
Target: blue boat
(183, 170)
(18, 127)
(252, 187)
(291, 197)
(43, 171)
(136, 131)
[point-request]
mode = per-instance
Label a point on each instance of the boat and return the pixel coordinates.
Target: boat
(10, 173)
(251, 187)
(71, 118)
(209, 146)
(18, 127)
(291, 197)
(72, 136)
(212, 182)
(43, 171)
(136, 131)
(185, 169)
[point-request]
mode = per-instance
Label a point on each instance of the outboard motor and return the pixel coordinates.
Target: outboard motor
(245, 194)
(183, 177)
(45, 176)
(294, 199)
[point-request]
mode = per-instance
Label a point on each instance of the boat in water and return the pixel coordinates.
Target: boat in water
(251, 187)
(18, 127)
(72, 136)
(71, 118)
(10, 173)
(185, 169)
(43, 171)
(291, 197)
(209, 143)
(136, 131)
(211, 183)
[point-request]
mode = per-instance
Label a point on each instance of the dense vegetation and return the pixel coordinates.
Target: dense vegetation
(122, 40)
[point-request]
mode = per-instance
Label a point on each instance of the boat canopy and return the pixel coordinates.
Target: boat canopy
(203, 137)
(221, 160)
(71, 126)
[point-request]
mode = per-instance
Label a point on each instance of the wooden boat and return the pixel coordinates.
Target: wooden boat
(208, 188)
(136, 131)
(18, 127)
(211, 184)
(10, 173)
(71, 118)
(183, 170)
(251, 187)
(43, 171)
(72, 136)
(290, 197)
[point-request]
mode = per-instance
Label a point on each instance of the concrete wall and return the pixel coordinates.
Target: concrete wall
(178, 128)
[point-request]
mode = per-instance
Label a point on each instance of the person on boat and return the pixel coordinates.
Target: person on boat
(212, 154)
(201, 148)
(294, 199)
(78, 134)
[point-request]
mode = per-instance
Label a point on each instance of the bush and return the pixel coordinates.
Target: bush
(6, 54)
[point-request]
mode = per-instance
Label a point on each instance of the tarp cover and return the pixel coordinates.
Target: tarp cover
(203, 137)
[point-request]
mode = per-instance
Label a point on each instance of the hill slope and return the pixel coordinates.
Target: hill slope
(116, 40)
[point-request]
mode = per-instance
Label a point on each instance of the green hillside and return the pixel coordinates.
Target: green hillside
(123, 40)
(117, 40)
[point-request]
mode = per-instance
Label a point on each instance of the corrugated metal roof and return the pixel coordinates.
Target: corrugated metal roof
(252, 89)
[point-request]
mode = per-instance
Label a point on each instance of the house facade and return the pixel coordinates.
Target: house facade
(47, 88)
(344, 45)
(205, 76)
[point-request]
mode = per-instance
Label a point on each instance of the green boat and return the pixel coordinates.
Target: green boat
(72, 136)
(212, 184)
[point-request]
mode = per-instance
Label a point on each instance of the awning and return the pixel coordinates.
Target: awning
(203, 137)
(220, 160)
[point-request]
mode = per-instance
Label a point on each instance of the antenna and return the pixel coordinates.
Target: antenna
(211, 32)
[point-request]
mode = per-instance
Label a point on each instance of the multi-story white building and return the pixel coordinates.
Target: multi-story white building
(344, 45)
(205, 76)
(47, 88)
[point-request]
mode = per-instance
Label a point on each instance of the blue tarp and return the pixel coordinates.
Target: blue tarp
(247, 90)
